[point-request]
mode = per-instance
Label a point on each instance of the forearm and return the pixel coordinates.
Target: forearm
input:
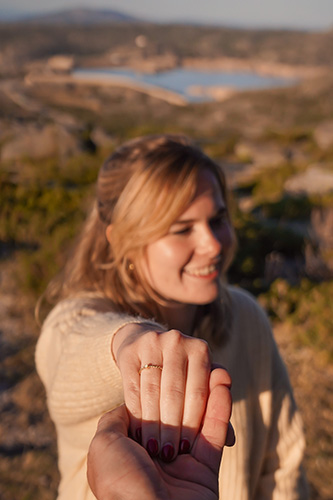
(74, 360)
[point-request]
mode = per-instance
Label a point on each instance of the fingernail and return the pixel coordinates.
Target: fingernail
(184, 446)
(152, 447)
(167, 453)
(138, 434)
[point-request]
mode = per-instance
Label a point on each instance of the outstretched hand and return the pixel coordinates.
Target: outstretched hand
(166, 406)
(119, 467)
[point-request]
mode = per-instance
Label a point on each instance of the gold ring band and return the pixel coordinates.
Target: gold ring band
(150, 365)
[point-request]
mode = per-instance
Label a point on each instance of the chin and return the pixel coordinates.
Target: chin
(206, 299)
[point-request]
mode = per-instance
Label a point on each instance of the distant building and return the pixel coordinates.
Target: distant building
(141, 41)
(61, 64)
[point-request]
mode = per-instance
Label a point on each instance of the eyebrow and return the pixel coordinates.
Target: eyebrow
(221, 211)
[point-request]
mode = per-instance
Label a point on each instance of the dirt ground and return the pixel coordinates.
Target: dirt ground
(312, 382)
(27, 439)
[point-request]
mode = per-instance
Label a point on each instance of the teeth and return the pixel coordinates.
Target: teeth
(203, 271)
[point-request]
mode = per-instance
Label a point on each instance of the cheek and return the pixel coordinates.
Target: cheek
(163, 256)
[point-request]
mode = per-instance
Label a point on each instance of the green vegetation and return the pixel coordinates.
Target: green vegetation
(224, 147)
(257, 238)
(288, 137)
(307, 309)
(269, 188)
(40, 214)
(42, 207)
(288, 208)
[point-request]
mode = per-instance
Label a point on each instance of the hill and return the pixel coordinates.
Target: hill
(25, 43)
(77, 16)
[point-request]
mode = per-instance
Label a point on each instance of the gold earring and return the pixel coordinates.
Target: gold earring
(131, 266)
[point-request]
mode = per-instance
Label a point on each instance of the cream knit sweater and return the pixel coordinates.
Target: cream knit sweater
(82, 381)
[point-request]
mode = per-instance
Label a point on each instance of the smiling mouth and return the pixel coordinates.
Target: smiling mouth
(203, 271)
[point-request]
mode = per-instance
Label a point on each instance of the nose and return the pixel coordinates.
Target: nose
(210, 242)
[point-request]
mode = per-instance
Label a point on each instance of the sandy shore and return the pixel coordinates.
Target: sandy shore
(153, 91)
(263, 68)
(217, 93)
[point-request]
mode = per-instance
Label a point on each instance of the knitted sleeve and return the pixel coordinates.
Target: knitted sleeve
(74, 361)
(283, 477)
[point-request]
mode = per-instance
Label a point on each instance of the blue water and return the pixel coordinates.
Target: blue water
(180, 80)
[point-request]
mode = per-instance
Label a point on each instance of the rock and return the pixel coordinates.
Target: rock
(141, 41)
(60, 63)
(315, 266)
(323, 135)
(101, 138)
(278, 265)
(315, 180)
(322, 225)
(218, 93)
(39, 142)
(322, 234)
(261, 155)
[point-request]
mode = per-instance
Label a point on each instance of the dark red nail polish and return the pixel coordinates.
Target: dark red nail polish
(167, 453)
(138, 434)
(184, 446)
(152, 447)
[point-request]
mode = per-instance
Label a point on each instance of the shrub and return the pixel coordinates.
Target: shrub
(40, 213)
(307, 308)
(256, 239)
(288, 208)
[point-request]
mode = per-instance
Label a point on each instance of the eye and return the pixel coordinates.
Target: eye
(183, 231)
(219, 220)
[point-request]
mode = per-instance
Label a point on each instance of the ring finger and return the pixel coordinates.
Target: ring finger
(150, 382)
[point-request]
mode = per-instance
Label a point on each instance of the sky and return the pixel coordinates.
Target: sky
(308, 14)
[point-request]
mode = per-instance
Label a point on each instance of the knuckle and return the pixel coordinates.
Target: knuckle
(174, 394)
(175, 337)
(176, 386)
(151, 337)
(201, 348)
(152, 390)
(199, 396)
(131, 395)
(174, 341)
(131, 387)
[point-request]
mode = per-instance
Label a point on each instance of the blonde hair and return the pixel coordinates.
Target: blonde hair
(142, 188)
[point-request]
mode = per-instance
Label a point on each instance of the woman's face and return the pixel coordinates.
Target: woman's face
(185, 264)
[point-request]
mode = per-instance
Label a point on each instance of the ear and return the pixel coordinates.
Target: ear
(108, 232)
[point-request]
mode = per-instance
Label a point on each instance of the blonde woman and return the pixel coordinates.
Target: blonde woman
(143, 311)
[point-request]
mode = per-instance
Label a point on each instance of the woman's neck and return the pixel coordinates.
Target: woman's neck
(180, 317)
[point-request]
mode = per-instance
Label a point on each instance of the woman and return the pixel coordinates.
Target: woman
(142, 315)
